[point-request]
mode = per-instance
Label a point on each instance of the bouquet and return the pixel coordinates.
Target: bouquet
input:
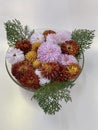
(46, 61)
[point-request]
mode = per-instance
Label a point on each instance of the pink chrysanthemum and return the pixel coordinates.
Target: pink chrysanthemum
(14, 55)
(63, 36)
(65, 59)
(37, 37)
(48, 52)
(52, 38)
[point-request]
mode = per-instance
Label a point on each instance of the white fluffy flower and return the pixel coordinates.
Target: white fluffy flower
(65, 59)
(59, 37)
(14, 55)
(38, 72)
(63, 36)
(52, 38)
(37, 37)
(43, 80)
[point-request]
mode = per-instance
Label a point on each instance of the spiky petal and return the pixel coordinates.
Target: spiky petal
(73, 70)
(30, 81)
(70, 47)
(35, 46)
(61, 75)
(49, 70)
(20, 69)
(36, 64)
(31, 56)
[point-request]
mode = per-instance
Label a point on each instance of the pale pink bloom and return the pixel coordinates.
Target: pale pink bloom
(48, 52)
(14, 55)
(65, 59)
(63, 36)
(37, 37)
(52, 38)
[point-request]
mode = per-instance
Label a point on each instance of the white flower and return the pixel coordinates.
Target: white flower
(43, 80)
(59, 37)
(52, 38)
(37, 37)
(63, 36)
(65, 59)
(38, 72)
(14, 55)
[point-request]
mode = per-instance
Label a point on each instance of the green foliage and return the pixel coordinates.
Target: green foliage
(50, 95)
(16, 32)
(83, 37)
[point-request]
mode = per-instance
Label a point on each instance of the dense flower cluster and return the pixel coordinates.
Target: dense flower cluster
(45, 57)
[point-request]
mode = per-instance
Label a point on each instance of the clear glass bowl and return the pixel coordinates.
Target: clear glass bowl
(8, 68)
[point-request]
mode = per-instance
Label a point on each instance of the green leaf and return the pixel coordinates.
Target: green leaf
(84, 38)
(16, 32)
(50, 95)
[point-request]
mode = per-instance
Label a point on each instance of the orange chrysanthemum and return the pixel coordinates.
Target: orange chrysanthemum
(49, 70)
(35, 46)
(73, 70)
(36, 64)
(70, 47)
(31, 56)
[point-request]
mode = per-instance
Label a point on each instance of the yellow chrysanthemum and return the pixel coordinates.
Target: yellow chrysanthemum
(73, 70)
(35, 46)
(36, 64)
(31, 56)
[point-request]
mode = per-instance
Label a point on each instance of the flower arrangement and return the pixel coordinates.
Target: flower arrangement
(46, 62)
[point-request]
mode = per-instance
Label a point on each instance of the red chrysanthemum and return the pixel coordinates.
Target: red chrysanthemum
(30, 81)
(70, 47)
(49, 70)
(73, 70)
(62, 75)
(24, 45)
(46, 32)
(20, 69)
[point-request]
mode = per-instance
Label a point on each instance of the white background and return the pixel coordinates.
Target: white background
(17, 111)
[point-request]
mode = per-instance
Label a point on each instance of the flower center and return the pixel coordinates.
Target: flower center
(69, 47)
(14, 54)
(37, 38)
(72, 70)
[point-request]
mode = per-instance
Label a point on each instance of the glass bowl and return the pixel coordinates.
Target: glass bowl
(8, 68)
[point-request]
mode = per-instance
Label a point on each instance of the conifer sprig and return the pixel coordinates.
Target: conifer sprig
(16, 32)
(50, 95)
(83, 37)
